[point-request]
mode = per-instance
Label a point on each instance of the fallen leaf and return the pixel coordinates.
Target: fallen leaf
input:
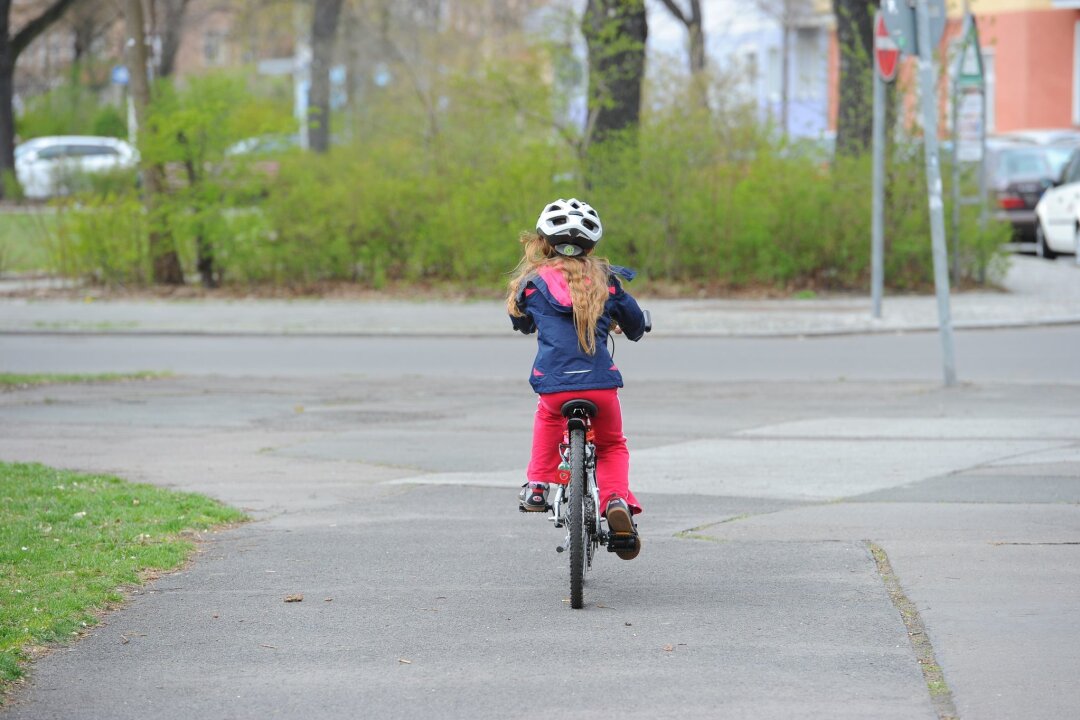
(328, 600)
(669, 648)
(215, 617)
(272, 647)
(298, 597)
(403, 661)
(627, 624)
(124, 640)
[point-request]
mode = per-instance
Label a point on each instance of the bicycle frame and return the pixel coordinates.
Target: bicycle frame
(594, 528)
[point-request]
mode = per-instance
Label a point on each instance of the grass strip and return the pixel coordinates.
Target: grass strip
(71, 544)
(25, 380)
(940, 694)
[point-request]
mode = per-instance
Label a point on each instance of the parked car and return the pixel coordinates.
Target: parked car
(265, 145)
(1018, 174)
(1059, 144)
(49, 166)
(1058, 214)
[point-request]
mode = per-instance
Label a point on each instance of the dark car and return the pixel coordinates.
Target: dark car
(1017, 176)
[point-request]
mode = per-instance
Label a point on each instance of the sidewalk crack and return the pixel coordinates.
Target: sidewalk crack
(940, 693)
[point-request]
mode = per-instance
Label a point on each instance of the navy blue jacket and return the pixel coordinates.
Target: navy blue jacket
(561, 364)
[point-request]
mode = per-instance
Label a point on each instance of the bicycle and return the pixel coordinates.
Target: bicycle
(576, 505)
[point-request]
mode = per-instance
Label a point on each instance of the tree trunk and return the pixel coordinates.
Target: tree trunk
(694, 30)
(10, 47)
(855, 37)
(615, 31)
(323, 30)
(172, 32)
(7, 115)
(697, 43)
(166, 263)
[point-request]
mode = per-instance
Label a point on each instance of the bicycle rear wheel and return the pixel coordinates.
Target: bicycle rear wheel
(576, 512)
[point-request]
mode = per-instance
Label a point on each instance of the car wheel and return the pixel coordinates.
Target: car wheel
(1041, 248)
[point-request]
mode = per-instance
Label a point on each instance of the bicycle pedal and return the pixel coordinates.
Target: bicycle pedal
(621, 541)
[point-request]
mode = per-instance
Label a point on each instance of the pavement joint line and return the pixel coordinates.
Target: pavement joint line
(670, 334)
(695, 533)
(940, 694)
(997, 543)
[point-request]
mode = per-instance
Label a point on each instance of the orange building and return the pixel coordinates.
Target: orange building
(1031, 56)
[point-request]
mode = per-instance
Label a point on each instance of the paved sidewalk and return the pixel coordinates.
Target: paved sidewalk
(1038, 292)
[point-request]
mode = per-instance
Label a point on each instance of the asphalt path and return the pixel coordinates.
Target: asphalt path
(382, 477)
(1024, 355)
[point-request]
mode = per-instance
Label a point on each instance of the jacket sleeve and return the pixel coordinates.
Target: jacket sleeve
(625, 311)
(523, 324)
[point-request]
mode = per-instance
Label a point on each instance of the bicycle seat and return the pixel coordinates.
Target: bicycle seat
(579, 408)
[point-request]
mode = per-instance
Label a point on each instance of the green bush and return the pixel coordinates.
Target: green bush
(72, 108)
(103, 238)
(428, 193)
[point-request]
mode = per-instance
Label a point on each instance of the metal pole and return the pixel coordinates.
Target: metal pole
(955, 180)
(877, 221)
(929, 97)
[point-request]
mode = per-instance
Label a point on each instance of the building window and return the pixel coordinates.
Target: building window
(214, 47)
(775, 71)
(809, 64)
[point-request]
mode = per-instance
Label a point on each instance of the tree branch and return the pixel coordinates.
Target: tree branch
(38, 25)
(677, 12)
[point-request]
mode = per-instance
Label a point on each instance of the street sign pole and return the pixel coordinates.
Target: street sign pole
(929, 98)
(886, 63)
(877, 222)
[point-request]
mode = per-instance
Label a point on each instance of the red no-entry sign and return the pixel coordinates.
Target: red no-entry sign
(886, 53)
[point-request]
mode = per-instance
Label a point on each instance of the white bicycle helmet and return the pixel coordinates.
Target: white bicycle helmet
(571, 226)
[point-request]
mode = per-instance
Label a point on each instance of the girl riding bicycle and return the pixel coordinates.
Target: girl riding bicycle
(573, 299)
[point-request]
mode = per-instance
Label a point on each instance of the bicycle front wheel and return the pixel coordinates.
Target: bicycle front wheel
(576, 512)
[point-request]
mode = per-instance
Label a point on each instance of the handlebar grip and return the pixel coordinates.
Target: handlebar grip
(648, 320)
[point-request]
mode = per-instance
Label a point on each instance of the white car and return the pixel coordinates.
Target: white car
(47, 166)
(1057, 225)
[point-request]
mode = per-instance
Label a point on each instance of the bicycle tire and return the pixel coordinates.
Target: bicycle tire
(576, 511)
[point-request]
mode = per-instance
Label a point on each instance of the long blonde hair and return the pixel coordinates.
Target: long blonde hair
(586, 275)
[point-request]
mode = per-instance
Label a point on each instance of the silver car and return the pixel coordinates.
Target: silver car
(50, 166)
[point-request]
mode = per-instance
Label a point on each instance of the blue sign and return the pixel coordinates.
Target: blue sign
(120, 75)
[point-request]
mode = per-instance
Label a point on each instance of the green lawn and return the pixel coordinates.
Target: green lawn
(23, 380)
(24, 239)
(71, 543)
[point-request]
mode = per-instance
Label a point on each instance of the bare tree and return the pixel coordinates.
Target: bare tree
(171, 32)
(695, 33)
(323, 30)
(166, 263)
(615, 32)
(10, 48)
(855, 36)
(89, 20)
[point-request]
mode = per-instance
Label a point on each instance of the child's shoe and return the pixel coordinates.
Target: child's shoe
(624, 536)
(533, 497)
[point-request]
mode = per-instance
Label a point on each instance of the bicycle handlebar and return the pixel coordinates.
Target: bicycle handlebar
(648, 320)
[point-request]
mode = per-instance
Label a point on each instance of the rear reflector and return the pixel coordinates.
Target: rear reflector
(1011, 202)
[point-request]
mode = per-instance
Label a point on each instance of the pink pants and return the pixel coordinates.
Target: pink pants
(612, 457)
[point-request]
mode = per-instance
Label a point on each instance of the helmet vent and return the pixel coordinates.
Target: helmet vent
(571, 223)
